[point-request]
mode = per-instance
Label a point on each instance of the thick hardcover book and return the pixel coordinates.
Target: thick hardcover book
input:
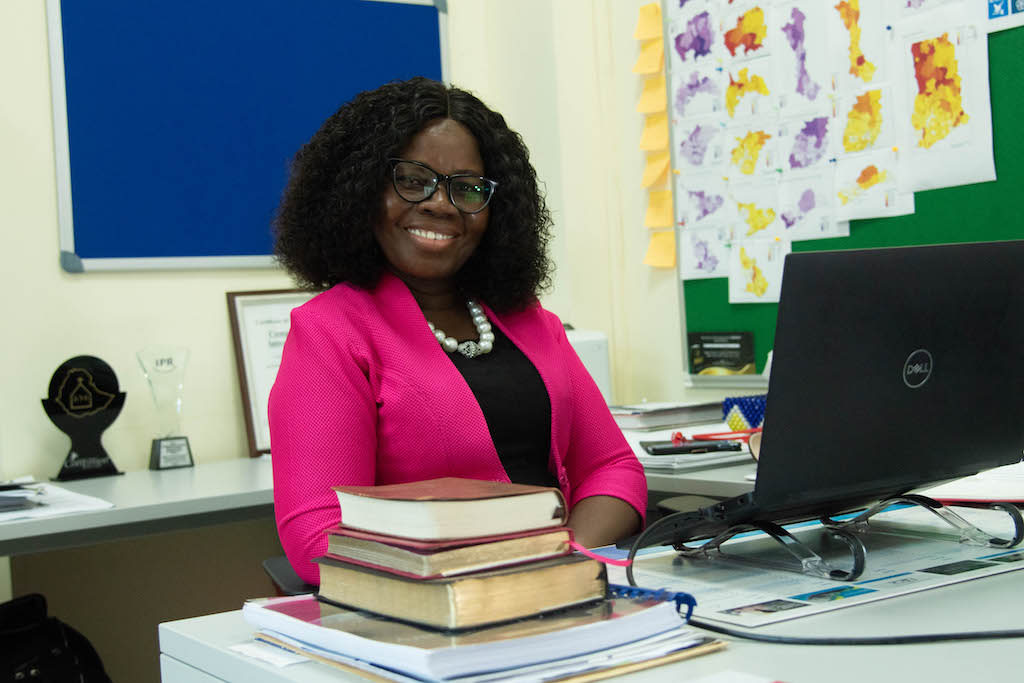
(432, 559)
(597, 627)
(450, 507)
(466, 600)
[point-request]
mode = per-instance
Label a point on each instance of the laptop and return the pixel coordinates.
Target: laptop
(893, 369)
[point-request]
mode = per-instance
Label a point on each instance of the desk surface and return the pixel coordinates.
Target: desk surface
(195, 649)
(713, 482)
(149, 501)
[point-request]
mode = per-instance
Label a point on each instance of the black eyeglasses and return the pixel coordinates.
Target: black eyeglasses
(415, 182)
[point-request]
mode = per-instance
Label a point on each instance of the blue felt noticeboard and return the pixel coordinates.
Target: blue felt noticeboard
(175, 122)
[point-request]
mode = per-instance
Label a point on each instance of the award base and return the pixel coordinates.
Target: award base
(170, 453)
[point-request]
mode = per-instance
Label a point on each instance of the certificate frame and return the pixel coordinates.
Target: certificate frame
(259, 326)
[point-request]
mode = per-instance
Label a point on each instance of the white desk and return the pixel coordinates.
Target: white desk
(151, 501)
(195, 650)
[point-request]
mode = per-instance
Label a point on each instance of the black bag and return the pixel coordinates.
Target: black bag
(35, 648)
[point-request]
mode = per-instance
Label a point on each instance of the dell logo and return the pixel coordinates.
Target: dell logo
(917, 369)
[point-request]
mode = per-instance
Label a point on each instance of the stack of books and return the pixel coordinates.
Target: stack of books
(461, 578)
(455, 553)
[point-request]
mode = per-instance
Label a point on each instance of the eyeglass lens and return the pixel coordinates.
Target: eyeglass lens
(416, 183)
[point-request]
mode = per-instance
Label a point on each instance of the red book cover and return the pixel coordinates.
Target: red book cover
(425, 547)
(417, 559)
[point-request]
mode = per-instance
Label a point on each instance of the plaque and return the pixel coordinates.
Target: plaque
(84, 399)
(164, 368)
(259, 326)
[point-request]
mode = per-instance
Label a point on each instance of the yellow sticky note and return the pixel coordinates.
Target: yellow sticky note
(661, 249)
(651, 59)
(656, 169)
(652, 97)
(648, 22)
(655, 135)
(659, 209)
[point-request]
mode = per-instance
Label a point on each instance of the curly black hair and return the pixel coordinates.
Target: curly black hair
(324, 224)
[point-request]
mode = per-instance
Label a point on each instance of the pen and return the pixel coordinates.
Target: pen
(740, 435)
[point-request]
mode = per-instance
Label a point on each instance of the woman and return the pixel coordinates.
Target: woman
(428, 355)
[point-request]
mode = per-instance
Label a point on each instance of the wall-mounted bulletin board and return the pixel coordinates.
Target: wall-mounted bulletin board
(930, 182)
(175, 122)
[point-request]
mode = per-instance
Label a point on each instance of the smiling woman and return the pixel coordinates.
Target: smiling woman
(417, 210)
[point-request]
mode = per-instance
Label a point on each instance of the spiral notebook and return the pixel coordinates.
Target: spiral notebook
(626, 616)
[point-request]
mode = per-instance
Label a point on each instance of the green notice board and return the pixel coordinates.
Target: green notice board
(968, 213)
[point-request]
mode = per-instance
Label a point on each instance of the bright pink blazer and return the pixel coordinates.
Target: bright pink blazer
(365, 395)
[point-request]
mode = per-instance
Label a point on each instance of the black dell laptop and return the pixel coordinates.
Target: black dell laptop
(893, 369)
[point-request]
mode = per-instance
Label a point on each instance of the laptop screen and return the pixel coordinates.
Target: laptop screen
(892, 369)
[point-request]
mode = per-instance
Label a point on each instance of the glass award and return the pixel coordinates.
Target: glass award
(164, 368)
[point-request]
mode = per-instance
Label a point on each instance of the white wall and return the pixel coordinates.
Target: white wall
(560, 71)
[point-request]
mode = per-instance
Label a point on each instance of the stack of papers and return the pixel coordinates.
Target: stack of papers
(655, 415)
(610, 633)
(31, 500)
(16, 497)
(685, 461)
(999, 485)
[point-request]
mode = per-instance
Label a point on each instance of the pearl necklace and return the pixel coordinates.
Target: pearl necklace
(469, 348)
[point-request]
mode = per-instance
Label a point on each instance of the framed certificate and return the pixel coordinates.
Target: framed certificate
(259, 326)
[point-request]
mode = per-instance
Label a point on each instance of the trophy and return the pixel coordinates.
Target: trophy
(164, 367)
(83, 400)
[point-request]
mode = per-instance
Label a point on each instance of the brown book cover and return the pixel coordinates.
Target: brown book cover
(450, 508)
(431, 559)
(467, 600)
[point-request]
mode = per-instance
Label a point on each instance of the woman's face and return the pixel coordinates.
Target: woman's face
(428, 242)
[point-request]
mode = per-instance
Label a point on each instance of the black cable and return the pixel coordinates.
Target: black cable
(872, 640)
(638, 541)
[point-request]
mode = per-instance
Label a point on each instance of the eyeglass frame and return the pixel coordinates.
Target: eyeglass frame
(438, 179)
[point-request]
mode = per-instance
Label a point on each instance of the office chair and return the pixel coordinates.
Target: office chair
(286, 581)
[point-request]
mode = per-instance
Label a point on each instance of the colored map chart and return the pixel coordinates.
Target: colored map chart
(796, 38)
(756, 283)
(868, 178)
(742, 86)
(938, 108)
(696, 40)
(863, 122)
(748, 35)
(789, 118)
(748, 150)
(695, 89)
(757, 218)
(860, 67)
(810, 144)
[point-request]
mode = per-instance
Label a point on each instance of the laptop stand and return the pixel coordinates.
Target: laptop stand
(803, 559)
